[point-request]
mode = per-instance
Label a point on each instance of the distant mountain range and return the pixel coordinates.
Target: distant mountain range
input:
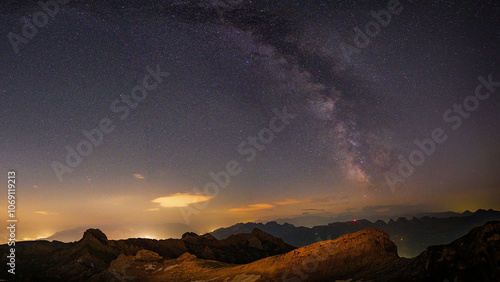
(410, 236)
(311, 220)
(367, 255)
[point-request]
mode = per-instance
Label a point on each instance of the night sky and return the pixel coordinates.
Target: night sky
(308, 108)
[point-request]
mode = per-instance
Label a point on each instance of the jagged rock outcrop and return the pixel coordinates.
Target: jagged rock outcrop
(189, 234)
(240, 248)
(94, 253)
(87, 257)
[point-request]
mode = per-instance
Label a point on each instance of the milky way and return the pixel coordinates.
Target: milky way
(338, 106)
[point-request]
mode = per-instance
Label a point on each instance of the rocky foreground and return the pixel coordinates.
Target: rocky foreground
(367, 255)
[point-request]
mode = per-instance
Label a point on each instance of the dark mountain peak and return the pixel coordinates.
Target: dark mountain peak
(272, 223)
(208, 236)
(262, 235)
(189, 234)
(402, 220)
(91, 234)
(364, 221)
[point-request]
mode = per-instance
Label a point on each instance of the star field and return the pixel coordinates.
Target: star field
(221, 70)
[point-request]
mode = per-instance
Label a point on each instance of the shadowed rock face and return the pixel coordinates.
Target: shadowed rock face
(96, 234)
(475, 257)
(239, 248)
(367, 255)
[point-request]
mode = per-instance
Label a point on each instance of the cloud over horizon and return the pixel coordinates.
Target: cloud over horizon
(180, 200)
(265, 206)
